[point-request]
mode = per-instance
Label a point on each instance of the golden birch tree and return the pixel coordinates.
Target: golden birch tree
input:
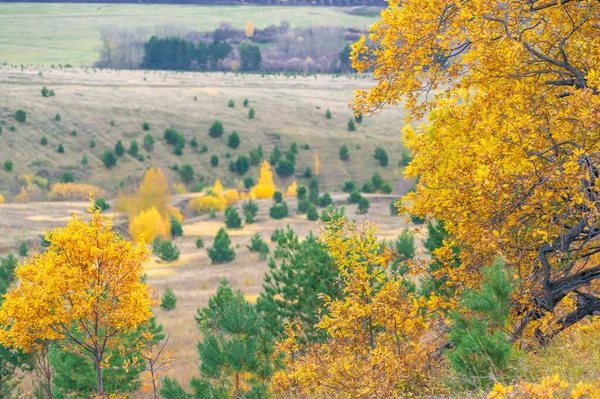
(84, 292)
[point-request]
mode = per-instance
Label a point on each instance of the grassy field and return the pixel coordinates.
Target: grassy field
(287, 110)
(45, 34)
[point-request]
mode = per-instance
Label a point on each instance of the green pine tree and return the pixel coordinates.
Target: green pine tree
(436, 235)
(250, 211)
(482, 346)
(299, 273)
(236, 352)
(221, 251)
(168, 300)
(74, 374)
(257, 244)
(176, 228)
(23, 249)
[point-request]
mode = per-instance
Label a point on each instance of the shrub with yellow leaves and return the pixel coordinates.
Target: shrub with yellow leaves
(23, 196)
(265, 187)
(74, 192)
(232, 197)
(292, 190)
(147, 225)
(550, 387)
(376, 344)
(214, 199)
(1, 199)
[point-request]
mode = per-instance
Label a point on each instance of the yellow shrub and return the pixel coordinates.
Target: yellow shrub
(550, 387)
(232, 197)
(147, 225)
(180, 188)
(1, 199)
(23, 196)
(292, 189)
(262, 191)
(207, 203)
(25, 178)
(74, 191)
(41, 181)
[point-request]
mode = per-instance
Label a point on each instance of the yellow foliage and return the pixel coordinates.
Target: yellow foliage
(206, 203)
(292, 189)
(550, 387)
(25, 178)
(152, 196)
(376, 345)
(232, 197)
(153, 192)
(214, 199)
(23, 196)
(1, 199)
(317, 165)
(249, 29)
(515, 93)
(74, 191)
(180, 188)
(88, 279)
(147, 225)
(265, 187)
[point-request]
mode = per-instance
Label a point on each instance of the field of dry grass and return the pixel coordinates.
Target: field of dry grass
(287, 109)
(193, 278)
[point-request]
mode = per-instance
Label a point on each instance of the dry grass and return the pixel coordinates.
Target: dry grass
(286, 110)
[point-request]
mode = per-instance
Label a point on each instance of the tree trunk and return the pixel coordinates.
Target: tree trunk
(99, 386)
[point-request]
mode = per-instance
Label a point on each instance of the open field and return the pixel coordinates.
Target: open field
(192, 277)
(45, 34)
(287, 110)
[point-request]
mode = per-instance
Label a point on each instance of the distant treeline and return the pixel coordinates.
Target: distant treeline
(317, 49)
(308, 3)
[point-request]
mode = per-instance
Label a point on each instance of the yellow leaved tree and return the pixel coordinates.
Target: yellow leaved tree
(265, 187)
(1, 199)
(84, 292)
(317, 165)
(375, 346)
(510, 156)
(249, 29)
(152, 199)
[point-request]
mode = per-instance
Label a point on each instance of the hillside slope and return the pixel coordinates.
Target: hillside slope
(288, 109)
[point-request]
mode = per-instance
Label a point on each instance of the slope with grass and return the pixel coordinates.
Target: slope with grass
(110, 106)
